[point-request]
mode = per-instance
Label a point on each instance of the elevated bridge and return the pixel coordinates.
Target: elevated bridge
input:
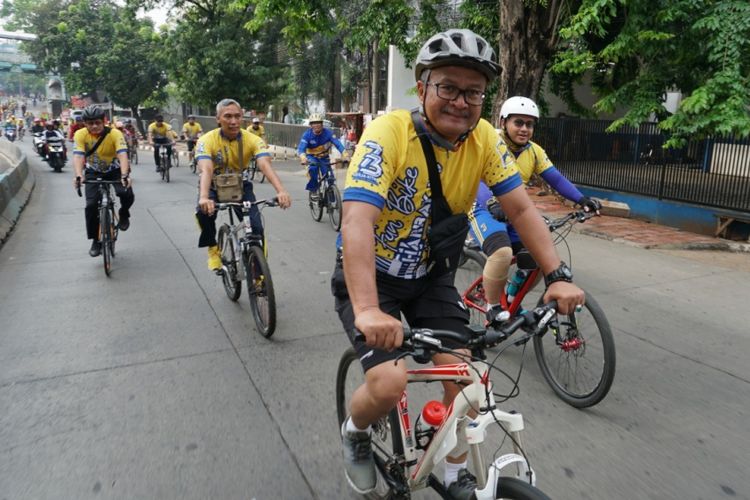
(11, 57)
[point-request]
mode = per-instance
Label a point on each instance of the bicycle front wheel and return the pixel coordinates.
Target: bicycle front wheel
(232, 285)
(260, 290)
(105, 237)
(387, 445)
(577, 356)
(176, 157)
(516, 489)
(135, 155)
(166, 171)
(316, 205)
(469, 285)
(333, 203)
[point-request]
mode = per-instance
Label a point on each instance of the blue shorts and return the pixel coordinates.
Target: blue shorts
(488, 231)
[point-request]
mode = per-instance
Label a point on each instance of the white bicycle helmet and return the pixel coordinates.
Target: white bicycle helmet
(457, 47)
(519, 105)
(315, 117)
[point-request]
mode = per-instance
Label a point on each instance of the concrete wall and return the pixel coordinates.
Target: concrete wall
(16, 184)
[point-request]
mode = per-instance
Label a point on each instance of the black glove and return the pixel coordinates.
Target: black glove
(494, 208)
(590, 204)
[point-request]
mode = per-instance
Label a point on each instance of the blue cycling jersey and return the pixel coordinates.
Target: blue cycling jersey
(318, 145)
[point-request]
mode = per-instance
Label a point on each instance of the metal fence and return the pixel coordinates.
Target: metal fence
(713, 172)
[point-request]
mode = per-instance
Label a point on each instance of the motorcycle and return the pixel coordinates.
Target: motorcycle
(39, 143)
(56, 154)
(10, 134)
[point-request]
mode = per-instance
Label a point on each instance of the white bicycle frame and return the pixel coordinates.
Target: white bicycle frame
(238, 231)
(457, 421)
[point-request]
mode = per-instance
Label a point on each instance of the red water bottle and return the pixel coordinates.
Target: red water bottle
(433, 414)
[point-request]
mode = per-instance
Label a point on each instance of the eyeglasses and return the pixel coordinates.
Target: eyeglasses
(520, 123)
(451, 93)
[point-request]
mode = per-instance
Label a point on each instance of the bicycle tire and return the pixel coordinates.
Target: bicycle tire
(135, 156)
(166, 170)
(316, 207)
(387, 445)
(260, 290)
(512, 488)
(333, 205)
(232, 285)
(262, 177)
(114, 231)
(176, 156)
(104, 239)
(472, 265)
(557, 361)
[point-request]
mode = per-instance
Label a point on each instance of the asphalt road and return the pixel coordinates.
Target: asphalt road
(152, 384)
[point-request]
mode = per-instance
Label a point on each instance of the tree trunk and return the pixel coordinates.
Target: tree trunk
(529, 33)
(137, 118)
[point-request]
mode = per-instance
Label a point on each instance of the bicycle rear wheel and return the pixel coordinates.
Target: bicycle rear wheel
(471, 292)
(516, 489)
(387, 445)
(333, 204)
(105, 236)
(577, 356)
(260, 290)
(232, 285)
(167, 169)
(316, 205)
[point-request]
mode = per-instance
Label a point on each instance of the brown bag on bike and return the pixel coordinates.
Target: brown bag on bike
(229, 185)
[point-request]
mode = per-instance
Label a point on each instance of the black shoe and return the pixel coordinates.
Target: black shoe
(124, 223)
(96, 249)
(464, 487)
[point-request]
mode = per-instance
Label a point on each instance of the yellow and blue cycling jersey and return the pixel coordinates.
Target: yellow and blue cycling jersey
(191, 131)
(224, 152)
(532, 160)
(161, 132)
(104, 158)
(260, 132)
(389, 171)
(318, 145)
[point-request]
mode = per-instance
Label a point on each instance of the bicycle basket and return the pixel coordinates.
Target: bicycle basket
(228, 187)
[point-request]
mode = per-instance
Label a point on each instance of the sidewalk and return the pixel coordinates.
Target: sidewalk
(636, 232)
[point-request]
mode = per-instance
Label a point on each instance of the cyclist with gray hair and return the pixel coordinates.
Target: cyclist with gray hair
(396, 223)
(228, 149)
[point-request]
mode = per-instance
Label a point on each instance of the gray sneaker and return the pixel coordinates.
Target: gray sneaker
(359, 463)
(464, 487)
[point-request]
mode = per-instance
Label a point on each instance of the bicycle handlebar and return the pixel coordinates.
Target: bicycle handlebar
(94, 181)
(578, 216)
(273, 202)
(419, 341)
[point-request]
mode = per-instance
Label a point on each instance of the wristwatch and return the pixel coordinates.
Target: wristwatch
(562, 273)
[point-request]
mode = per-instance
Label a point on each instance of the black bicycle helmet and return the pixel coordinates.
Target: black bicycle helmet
(93, 112)
(457, 47)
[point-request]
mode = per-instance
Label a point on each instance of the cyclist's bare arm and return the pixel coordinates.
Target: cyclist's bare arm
(379, 328)
(536, 237)
(79, 162)
(264, 163)
(206, 168)
(125, 167)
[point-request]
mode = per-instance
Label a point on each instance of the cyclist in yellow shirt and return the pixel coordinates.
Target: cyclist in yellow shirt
(109, 160)
(386, 269)
(257, 129)
(191, 131)
(160, 135)
(219, 151)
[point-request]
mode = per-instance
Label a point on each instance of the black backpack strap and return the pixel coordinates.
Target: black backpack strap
(440, 208)
(97, 143)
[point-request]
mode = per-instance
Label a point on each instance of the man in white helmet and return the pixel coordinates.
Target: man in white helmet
(500, 241)
(313, 151)
(386, 268)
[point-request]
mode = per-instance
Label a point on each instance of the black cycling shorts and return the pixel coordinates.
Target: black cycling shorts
(425, 303)
(191, 144)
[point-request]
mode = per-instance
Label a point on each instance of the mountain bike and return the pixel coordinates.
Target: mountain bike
(165, 163)
(406, 455)
(243, 257)
(132, 149)
(578, 360)
(327, 197)
(108, 231)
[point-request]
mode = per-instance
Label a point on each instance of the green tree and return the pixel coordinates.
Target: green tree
(640, 50)
(94, 44)
(212, 55)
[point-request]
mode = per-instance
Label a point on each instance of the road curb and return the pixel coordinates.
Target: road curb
(16, 184)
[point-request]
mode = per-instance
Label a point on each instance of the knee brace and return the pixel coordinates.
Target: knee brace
(496, 268)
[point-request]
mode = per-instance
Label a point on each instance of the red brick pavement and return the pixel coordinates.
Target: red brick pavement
(634, 232)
